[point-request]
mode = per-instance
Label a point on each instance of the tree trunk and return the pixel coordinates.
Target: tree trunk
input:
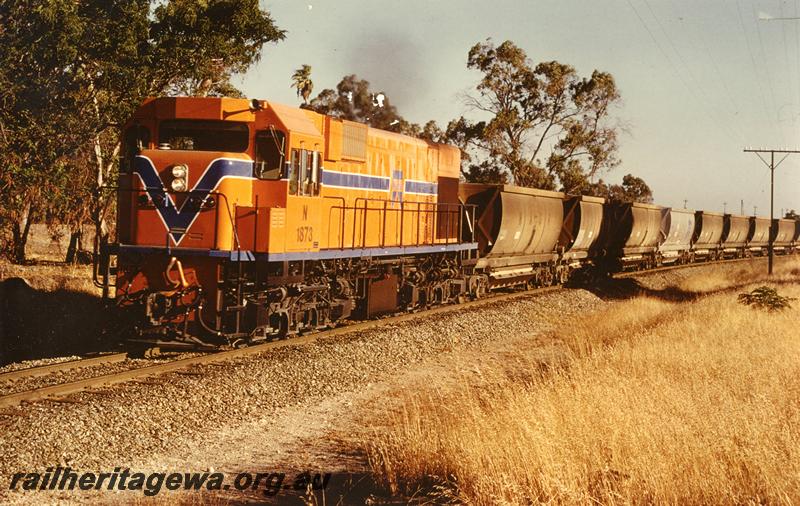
(103, 166)
(74, 245)
(20, 232)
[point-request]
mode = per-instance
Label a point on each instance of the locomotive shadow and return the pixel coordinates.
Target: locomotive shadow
(627, 288)
(343, 487)
(38, 324)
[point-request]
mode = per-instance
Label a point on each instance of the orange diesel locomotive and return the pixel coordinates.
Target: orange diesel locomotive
(242, 221)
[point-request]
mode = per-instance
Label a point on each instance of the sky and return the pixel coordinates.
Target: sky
(700, 80)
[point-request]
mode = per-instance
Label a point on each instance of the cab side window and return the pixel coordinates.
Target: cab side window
(270, 154)
(312, 179)
(137, 138)
(304, 178)
(294, 173)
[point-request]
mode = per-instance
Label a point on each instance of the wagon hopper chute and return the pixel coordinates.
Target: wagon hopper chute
(677, 228)
(707, 235)
(734, 235)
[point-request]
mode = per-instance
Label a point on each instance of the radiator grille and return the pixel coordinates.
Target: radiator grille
(354, 140)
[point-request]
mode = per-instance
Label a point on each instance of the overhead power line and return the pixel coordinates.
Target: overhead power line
(769, 77)
(704, 41)
(721, 126)
(756, 73)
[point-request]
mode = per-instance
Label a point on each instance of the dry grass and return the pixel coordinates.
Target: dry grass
(652, 402)
(786, 268)
(51, 277)
(46, 270)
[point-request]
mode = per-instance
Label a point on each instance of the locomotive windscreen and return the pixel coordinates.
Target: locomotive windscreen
(201, 135)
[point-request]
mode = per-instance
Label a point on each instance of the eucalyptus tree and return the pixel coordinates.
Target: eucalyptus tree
(632, 189)
(543, 124)
(72, 72)
(354, 100)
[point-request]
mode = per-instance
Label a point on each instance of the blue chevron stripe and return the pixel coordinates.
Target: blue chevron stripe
(183, 218)
(421, 187)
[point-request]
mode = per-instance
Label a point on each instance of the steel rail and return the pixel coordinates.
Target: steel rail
(629, 274)
(43, 370)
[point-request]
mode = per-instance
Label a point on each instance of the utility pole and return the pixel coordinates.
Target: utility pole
(741, 210)
(685, 201)
(724, 207)
(772, 166)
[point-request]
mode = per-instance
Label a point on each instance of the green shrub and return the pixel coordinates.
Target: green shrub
(767, 298)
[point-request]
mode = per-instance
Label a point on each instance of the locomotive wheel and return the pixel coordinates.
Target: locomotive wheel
(280, 322)
(153, 352)
(142, 350)
(311, 319)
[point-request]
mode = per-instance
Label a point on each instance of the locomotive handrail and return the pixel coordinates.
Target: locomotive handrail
(341, 227)
(222, 199)
(361, 211)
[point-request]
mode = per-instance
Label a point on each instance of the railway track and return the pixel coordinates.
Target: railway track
(58, 391)
(630, 274)
(43, 370)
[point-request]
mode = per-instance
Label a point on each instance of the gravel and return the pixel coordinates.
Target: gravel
(103, 429)
(27, 364)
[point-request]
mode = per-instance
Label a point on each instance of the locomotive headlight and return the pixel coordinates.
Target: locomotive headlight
(180, 171)
(178, 185)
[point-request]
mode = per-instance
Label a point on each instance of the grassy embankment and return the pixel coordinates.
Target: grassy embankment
(647, 402)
